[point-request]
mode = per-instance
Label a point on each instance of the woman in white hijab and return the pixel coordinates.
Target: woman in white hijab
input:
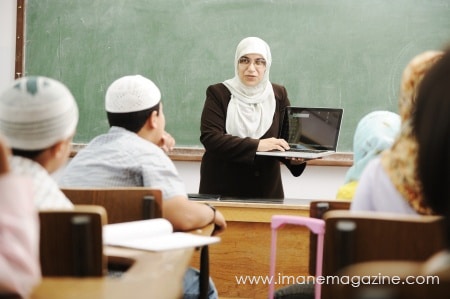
(240, 116)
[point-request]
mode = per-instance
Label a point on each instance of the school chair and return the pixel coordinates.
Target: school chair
(317, 208)
(392, 280)
(122, 204)
(369, 236)
(317, 227)
(71, 241)
(354, 237)
(125, 204)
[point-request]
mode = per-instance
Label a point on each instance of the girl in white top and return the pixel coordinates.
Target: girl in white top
(390, 183)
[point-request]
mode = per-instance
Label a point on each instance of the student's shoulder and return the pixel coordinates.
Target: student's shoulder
(218, 88)
(373, 164)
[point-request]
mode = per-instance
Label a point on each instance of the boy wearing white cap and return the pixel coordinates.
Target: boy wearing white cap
(132, 154)
(38, 118)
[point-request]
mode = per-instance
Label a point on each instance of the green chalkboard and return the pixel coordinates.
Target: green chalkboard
(328, 53)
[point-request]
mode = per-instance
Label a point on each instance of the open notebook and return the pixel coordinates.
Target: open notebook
(153, 235)
(311, 132)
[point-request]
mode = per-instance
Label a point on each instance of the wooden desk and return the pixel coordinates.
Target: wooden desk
(245, 246)
(151, 275)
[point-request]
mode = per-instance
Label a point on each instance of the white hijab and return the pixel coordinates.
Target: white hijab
(251, 109)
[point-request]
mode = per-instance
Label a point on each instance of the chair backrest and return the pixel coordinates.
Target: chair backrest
(396, 280)
(317, 208)
(71, 241)
(353, 237)
(122, 204)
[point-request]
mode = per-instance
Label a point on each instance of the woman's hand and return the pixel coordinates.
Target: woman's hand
(167, 142)
(271, 144)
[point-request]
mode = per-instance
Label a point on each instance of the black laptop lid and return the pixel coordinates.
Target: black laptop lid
(312, 128)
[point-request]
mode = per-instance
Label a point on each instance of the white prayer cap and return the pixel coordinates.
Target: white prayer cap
(36, 113)
(131, 94)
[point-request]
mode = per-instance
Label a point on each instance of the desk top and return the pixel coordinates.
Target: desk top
(259, 210)
(286, 203)
(151, 275)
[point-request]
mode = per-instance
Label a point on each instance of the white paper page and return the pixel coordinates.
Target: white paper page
(118, 232)
(169, 241)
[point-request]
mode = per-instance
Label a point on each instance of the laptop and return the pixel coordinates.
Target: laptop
(312, 133)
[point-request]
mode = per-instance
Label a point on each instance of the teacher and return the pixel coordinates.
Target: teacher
(241, 116)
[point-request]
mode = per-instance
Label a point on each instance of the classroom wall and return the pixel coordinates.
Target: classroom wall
(317, 182)
(7, 41)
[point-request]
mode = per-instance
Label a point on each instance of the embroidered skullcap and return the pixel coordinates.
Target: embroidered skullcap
(131, 94)
(37, 112)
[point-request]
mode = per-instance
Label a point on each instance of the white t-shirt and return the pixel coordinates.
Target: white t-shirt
(375, 192)
(46, 192)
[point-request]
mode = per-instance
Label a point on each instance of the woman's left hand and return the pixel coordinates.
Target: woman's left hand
(167, 142)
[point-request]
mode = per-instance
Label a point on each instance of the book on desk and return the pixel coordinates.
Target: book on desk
(153, 235)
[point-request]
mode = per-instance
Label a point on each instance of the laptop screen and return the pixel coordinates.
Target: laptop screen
(312, 128)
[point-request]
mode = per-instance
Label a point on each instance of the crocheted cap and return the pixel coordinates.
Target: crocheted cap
(36, 113)
(131, 94)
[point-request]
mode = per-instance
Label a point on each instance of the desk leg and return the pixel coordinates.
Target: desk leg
(204, 272)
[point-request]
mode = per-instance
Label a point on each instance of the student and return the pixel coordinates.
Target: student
(131, 154)
(241, 116)
(389, 183)
(19, 232)
(431, 125)
(38, 117)
(375, 132)
(375, 191)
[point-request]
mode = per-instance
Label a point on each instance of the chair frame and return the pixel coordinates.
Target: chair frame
(71, 241)
(317, 226)
(141, 202)
(349, 232)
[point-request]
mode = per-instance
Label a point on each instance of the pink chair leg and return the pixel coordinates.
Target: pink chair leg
(317, 226)
(273, 255)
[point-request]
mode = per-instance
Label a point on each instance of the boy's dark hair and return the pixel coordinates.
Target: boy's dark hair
(30, 154)
(132, 121)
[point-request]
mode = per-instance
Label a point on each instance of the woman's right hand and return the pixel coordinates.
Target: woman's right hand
(271, 144)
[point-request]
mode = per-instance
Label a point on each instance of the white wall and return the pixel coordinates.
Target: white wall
(317, 182)
(7, 41)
